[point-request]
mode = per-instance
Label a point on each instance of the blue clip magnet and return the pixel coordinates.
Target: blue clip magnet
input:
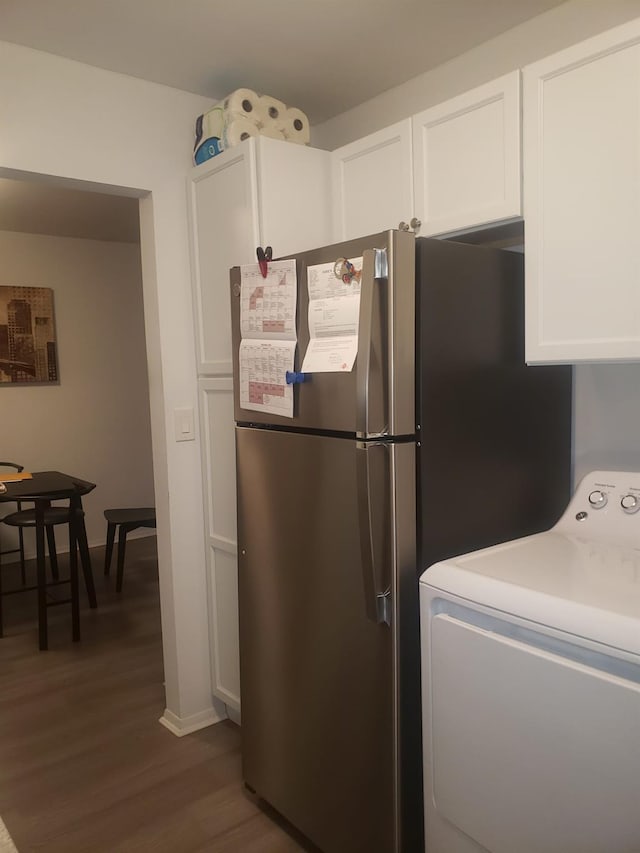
(293, 377)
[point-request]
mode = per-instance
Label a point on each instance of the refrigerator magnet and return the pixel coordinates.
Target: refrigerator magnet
(344, 270)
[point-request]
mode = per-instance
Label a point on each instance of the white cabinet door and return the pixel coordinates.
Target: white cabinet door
(582, 201)
(294, 183)
(262, 192)
(373, 183)
(219, 487)
(467, 159)
(224, 232)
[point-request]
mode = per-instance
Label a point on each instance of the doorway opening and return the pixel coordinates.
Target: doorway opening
(91, 418)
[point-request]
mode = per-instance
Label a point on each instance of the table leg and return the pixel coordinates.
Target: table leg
(42, 579)
(85, 558)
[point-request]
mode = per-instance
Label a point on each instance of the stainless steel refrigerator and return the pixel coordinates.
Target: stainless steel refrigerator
(439, 441)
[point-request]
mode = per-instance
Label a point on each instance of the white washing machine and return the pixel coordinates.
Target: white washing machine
(531, 685)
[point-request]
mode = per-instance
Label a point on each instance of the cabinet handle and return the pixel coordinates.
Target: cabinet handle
(414, 225)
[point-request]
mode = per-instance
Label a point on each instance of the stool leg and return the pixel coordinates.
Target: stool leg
(111, 533)
(122, 544)
(85, 558)
(43, 639)
(23, 573)
(53, 556)
(73, 577)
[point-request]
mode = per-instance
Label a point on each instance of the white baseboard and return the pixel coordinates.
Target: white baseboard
(6, 842)
(30, 553)
(234, 715)
(140, 533)
(181, 726)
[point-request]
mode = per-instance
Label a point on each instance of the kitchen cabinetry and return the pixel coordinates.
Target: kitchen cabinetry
(582, 201)
(372, 182)
(453, 167)
(466, 159)
(262, 192)
(219, 491)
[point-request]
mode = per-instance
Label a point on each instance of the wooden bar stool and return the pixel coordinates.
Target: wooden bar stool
(53, 516)
(42, 488)
(125, 520)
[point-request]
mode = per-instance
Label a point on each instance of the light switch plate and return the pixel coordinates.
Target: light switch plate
(184, 425)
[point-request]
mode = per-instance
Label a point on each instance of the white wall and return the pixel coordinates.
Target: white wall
(564, 25)
(95, 422)
(607, 418)
(63, 118)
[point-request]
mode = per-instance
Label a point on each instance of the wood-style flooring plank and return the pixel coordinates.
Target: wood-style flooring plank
(85, 767)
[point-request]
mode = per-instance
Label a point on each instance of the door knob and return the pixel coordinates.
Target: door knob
(403, 226)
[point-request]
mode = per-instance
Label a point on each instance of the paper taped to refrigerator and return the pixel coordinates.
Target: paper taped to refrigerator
(334, 310)
(268, 305)
(263, 367)
(268, 330)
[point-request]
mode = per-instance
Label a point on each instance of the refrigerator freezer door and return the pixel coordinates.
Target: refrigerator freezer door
(318, 680)
(376, 398)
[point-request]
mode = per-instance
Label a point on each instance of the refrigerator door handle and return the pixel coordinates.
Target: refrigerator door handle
(377, 601)
(375, 268)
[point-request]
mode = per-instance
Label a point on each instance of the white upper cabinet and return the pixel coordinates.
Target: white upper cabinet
(466, 159)
(582, 201)
(262, 192)
(224, 232)
(372, 183)
(453, 167)
(294, 196)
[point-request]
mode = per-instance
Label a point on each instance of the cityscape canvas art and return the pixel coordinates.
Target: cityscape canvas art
(28, 351)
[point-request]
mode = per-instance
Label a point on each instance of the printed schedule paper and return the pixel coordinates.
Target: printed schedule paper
(268, 305)
(263, 366)
(334, 309)
(268, 329)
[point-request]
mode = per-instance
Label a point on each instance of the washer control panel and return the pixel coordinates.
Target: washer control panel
(606, 505)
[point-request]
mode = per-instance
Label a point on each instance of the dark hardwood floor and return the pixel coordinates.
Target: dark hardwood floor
(84, 763)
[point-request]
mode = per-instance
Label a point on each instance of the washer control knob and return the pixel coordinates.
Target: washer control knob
(630, 503)
(598, 499)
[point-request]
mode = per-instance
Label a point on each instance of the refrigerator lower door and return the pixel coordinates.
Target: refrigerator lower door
(318, 673)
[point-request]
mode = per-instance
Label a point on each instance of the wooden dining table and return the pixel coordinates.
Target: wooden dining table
(42, 488)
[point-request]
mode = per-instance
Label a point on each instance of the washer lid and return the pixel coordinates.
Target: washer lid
(581, 586)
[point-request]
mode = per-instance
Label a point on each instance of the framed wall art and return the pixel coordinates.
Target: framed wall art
(28, 351)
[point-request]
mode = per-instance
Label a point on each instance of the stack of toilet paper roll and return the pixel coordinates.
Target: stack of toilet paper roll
(243, 114)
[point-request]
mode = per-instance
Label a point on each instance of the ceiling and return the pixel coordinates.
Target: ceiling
(36, 208)
(323, 56)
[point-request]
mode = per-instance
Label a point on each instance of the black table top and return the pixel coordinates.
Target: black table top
(46, 484)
